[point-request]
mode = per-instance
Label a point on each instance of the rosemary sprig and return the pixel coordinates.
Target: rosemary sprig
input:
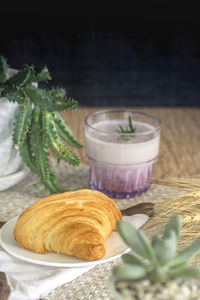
(127, 130)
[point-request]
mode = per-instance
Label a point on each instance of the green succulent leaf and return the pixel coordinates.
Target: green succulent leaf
(190, 272)
(126, 271)
(132, 260)
(137, 240)
(3, 69)
(158, 275)
(187, 254)
(38, 97)
(25, 151)
(37, 115)
(20, 78)
(1, 91)
(40, 153)
(65, 132)
(62, 151)
(22, 123)
(40, 149)
(45, 128)
(175, 225)
(55, 142)
(14, 94)
(41, 74)
(54, 185)
(165, 248)
(156, 239)
(57, 94)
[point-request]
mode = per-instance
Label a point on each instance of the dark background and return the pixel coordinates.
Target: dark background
(110, 56)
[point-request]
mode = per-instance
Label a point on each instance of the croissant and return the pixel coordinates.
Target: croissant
(75, 223)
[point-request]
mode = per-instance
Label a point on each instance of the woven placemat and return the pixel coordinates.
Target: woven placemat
(93, 284)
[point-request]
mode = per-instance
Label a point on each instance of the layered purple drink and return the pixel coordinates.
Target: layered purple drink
(121, 160)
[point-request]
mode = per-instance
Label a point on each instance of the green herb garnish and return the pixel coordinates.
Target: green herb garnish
(127, 130)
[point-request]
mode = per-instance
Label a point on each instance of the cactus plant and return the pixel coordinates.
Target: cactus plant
(38, 125)
(157, 260)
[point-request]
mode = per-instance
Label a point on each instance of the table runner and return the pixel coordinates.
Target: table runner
(93, 284)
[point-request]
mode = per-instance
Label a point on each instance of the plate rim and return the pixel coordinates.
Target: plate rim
(52, 264)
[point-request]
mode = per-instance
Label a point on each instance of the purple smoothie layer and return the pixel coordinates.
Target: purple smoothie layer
(121, 182)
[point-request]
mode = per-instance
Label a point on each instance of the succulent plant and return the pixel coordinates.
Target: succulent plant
(156, 260)
(38, 125)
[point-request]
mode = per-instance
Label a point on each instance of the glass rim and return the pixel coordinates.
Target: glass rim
(100, 112)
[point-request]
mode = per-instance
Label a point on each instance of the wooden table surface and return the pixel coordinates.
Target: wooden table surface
(180, 139)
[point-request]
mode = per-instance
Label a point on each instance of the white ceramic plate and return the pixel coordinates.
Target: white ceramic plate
(114, 245)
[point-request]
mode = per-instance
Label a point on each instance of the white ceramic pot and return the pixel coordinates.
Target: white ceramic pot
(12, 169)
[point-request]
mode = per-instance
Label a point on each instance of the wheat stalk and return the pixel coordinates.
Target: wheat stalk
(187, 204)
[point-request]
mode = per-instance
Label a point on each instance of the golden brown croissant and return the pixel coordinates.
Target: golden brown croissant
(75, 223)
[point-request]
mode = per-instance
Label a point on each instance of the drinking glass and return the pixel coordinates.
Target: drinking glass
(122, 146)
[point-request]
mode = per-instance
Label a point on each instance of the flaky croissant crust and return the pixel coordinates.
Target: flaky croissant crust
(75, 223)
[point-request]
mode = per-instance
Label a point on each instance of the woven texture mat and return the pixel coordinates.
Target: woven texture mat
(93, 284)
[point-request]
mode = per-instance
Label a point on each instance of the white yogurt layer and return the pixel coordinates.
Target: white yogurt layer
(105, 145)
